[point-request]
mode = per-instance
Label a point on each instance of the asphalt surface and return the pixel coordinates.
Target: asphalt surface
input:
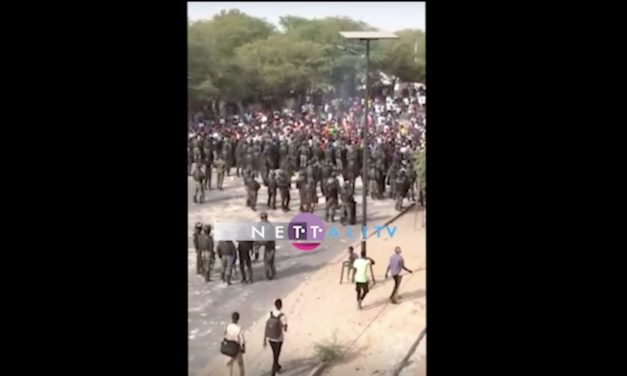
(211, 304)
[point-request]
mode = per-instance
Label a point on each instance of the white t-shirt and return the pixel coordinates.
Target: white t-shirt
(233, 332)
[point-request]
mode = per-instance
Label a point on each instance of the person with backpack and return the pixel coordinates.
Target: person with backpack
(275, 326)
(233, 345)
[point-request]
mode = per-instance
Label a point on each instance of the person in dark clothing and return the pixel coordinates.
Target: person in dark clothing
(396, 265)
(253, 189)
(244, 248)
(199, 263)
(272, 186)
(276, 343)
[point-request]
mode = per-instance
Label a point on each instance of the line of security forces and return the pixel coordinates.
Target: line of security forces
(303, 159)
(229, 254)
(280, 158)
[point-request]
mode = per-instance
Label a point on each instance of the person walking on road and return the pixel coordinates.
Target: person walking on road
(269, 252)
(220, 166)
(199, 178)
(205, 245)
(234, 332)
(199, 261)
(226, 251)
(361, 266)
(395, 266)
(275, 327)
(352, 256)
(244, 248)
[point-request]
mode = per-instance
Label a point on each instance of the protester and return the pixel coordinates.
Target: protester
(395, 266)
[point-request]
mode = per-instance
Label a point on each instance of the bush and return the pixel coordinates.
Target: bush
(329, 352)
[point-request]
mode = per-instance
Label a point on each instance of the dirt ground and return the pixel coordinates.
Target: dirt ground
(323, 311)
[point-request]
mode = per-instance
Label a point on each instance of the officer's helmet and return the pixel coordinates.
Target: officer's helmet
(198, 226)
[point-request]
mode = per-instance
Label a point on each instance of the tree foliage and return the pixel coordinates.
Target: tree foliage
(238, 58)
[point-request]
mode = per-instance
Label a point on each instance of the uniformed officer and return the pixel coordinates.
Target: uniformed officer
(208, 161)
(348, 204)
(220, 166)
(244, 248)
(268, 254)
(249, 160)
(301, 185)
(227, 156)
(199, 263)
(199, 178)
(325, 173)
(205, 244)
(272, 187)
(283, 183)
(240, 157)
(402, 186)
(332, 188)
(328, 153)
(304, 151)
(310, 195)
(391, 180)
(190, 156)
(372, 182)
(253, 190)
(197, 152)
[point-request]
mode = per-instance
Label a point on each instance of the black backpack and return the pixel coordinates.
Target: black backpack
(274, 327)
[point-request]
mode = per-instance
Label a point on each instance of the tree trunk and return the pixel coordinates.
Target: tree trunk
(240, 108)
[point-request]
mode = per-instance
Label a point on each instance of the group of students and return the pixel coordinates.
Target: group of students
(359, 269)
(234, 345)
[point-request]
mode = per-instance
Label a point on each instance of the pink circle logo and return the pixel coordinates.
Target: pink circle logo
(306, 231)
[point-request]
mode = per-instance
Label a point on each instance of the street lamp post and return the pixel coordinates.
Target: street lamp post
(366, 36)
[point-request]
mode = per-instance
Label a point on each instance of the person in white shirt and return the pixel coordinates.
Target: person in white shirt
(234, 332)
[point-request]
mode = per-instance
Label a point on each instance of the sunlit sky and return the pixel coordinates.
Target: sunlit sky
(386, 16)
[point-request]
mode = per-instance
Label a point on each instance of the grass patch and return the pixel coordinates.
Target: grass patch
(329, 352)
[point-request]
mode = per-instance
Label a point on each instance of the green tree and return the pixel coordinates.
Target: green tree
(213, 72)
(402, 58)
(281, 64)
(238, 58)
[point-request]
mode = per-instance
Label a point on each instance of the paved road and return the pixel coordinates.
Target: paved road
(211, 304)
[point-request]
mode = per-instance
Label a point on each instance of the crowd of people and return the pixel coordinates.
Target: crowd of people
(312, 147)
(308, 150)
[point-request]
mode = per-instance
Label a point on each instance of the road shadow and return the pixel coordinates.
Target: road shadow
(293, 367)
(402, 298)
(260, 275)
